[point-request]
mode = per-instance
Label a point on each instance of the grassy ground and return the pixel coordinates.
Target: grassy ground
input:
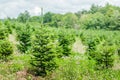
(10, 68)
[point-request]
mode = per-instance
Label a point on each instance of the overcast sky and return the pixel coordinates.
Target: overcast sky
(12, 8)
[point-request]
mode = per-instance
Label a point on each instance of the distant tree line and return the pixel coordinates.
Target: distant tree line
(107, 17)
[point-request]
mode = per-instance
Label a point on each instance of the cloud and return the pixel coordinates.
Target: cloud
(2, 15)
(35, 11)
(12, 8)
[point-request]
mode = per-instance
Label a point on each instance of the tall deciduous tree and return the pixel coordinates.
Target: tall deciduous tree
(23, 17)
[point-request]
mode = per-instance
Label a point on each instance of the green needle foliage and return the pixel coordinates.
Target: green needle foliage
(3, 33)
(66, 40)
(45, 49)
(6, 49)
(24, 36)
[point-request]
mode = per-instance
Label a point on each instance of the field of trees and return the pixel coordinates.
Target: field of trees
(74, 46)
